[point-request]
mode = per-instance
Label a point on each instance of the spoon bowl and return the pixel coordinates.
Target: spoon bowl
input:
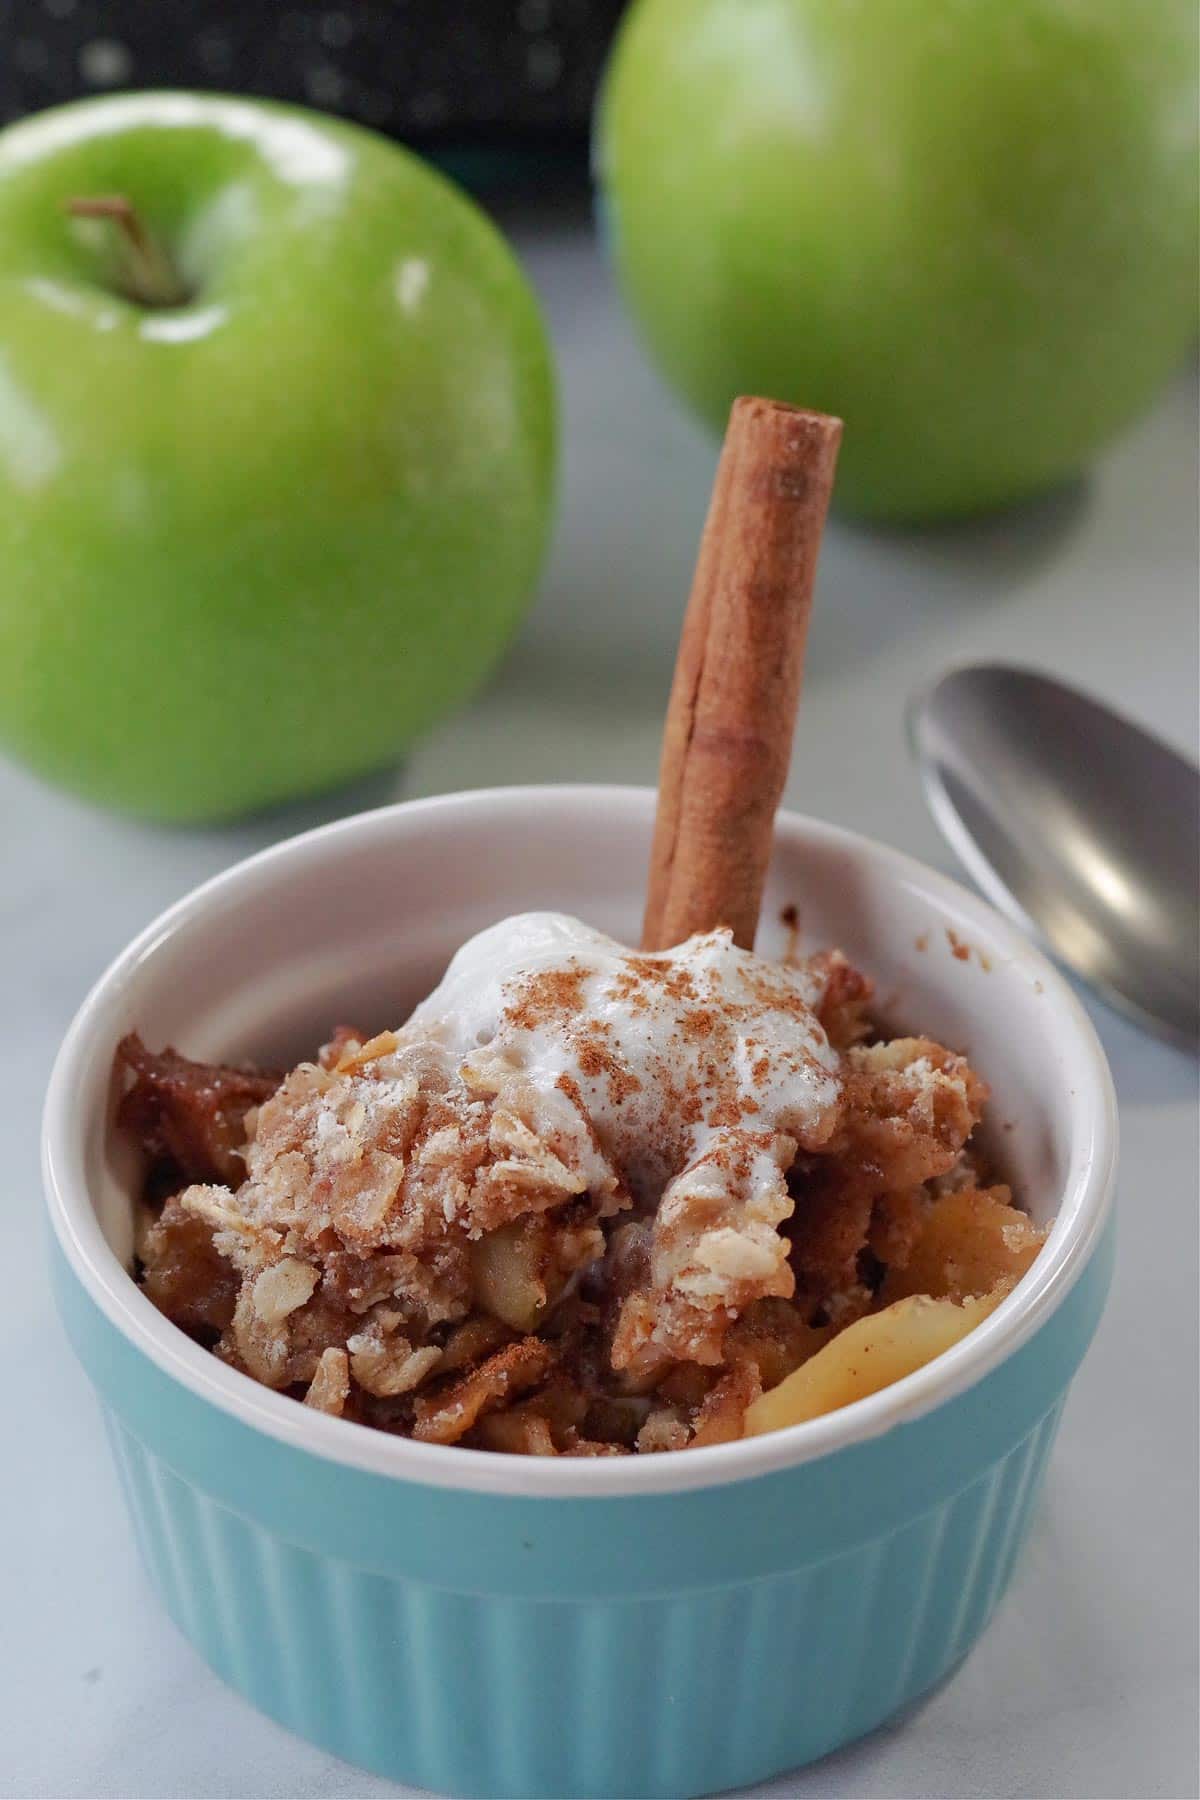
(1081, 826)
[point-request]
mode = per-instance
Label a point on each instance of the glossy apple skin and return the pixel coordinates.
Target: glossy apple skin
(253, 546)
(966, 226)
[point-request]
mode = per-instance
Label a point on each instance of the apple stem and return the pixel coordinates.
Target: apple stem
(146, 273)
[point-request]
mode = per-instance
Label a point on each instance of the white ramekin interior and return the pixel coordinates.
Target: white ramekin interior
(355, 921)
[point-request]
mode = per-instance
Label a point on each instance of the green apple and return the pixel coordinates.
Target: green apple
(966, 226)
(277, 437)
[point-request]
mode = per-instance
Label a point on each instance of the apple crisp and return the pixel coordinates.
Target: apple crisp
(586, 1202)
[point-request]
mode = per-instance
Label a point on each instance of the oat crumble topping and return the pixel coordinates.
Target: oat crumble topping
(585, 1202)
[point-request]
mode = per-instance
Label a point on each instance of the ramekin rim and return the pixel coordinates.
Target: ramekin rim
(1079, 1223)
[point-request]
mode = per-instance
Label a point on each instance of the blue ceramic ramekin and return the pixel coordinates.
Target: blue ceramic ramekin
(486, 1624)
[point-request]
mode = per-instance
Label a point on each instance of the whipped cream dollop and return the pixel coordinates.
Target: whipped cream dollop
(662, 1051)
(683, 1081)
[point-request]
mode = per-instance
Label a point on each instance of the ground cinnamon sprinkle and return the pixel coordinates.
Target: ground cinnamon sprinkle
(674, 983)
(699, 1023)
(596, 1059)
(549, 994)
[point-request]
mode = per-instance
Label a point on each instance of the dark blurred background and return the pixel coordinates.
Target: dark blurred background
(484, 85)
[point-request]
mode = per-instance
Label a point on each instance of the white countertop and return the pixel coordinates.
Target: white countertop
(1086, 1683)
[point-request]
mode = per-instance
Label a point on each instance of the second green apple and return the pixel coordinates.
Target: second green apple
(966, 226)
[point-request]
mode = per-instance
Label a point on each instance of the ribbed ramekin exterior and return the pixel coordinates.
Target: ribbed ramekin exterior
(672, 1695)
(675, 1644)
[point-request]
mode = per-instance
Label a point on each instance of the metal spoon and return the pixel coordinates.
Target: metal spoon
(1079, 825)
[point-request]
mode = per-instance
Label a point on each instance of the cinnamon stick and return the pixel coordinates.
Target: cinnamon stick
(732, 712)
